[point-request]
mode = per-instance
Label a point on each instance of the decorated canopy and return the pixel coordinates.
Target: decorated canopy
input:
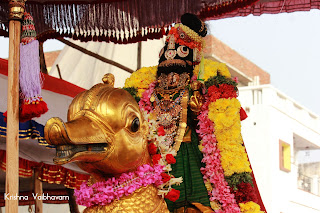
(124, 21)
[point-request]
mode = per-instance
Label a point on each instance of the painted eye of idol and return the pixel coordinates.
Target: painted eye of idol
(183, 51)
(135, 125)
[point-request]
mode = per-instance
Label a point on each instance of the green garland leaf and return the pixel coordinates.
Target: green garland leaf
(133, 91)
(220, 79)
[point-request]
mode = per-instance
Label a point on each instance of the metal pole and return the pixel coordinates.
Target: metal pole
(16, 10)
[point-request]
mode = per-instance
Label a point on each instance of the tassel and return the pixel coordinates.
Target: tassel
(32, 104)
(30, 82)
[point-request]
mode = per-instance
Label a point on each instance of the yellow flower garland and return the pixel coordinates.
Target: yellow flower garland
(211, 69)
(225, 115)
(250, 207)
(141, 79)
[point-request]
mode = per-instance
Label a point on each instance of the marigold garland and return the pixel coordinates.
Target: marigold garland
(250, 207)
(141, 79)
(225, 114)
(212, 68)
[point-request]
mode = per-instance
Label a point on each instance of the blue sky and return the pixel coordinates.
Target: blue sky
(285, 45)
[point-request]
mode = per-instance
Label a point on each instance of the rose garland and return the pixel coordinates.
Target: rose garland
(102, 193)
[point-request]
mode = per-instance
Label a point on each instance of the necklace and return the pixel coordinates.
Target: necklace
(169, 112)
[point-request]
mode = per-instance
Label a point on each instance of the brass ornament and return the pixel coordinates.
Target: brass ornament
(98, 134)
(16, 9)
(103, 139)
(108, 79)
(196, 100)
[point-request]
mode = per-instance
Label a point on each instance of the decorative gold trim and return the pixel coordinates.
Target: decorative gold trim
(16, 9)
(183, 121)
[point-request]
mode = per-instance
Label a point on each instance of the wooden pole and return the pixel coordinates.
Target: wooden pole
(43, 66)
(95, 55)
(59, 72)
(139, 55)
(16, 9)
(72, 201)
(38, 190)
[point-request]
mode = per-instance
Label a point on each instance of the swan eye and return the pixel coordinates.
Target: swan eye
(135, 125)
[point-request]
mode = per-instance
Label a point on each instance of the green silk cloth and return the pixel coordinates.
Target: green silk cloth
(187, 166)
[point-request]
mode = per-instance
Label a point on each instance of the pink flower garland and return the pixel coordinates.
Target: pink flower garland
(213, 170)
(144, 102)
(102, 193)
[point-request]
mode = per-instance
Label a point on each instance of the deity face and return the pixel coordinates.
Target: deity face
(175, 58)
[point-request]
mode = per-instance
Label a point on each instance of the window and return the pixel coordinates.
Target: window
(307, 162)
(285, 156)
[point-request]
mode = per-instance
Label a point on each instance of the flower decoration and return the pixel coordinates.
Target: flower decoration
(173, 195)
(152, 149)
(165, 177)
(102, 193)
(141, 79)
(212, 68)
(227, 172)
(170, 159)
(250, 207)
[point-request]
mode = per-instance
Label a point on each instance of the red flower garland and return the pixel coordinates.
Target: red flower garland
(245, 193)
(170, 159)
(165, 177)
(156, 158)
(173, 195)
(152, 149)
(223, 91)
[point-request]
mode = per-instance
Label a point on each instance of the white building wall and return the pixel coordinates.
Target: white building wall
(272, 117)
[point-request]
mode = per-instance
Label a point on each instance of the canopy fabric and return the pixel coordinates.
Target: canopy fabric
(47, 172)
(74, 65)
(267, 7)
(126, 21)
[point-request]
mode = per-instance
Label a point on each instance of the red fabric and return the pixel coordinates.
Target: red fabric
(49, 83)
(60, 175)
(259, 8)
(257, 192)
(243, 114)
(48, 173)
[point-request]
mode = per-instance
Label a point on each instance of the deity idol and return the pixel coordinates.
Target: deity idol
(194, 120)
